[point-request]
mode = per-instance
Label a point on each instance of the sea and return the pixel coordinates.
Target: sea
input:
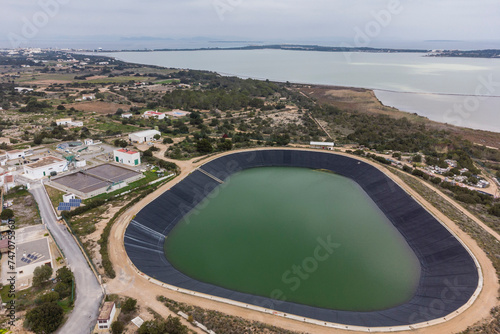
(459, 91)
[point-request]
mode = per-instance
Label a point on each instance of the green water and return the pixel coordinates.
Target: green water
(298, 235)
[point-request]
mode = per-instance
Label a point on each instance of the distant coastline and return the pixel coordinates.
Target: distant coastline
(490, 53)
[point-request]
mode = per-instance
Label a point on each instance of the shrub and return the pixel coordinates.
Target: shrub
(45, 318)
(129, 305)
(41, 275)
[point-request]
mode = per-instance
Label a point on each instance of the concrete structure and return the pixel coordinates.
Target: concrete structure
(322, 145)
(80, 163)
(143, 136)
(127, 157)
(153, 114)
(8, 182)
(45, 167)
(127, 115)
(88, 141)
(88, 97)
(67, 197)
(32, 254)
(106, 316)
(96, 180)
(4, 246)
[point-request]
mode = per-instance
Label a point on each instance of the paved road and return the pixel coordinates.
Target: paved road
(88, 291)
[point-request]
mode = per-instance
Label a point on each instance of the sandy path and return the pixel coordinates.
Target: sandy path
(129, 282)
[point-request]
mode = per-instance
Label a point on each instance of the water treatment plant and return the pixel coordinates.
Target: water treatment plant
(291, 241)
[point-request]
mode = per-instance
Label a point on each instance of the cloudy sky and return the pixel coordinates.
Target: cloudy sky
(375, 23)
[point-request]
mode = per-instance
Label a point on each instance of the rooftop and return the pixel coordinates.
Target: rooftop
(106, 311)
(32, 252)
(124, 150)
(44, 162)
(152, 112)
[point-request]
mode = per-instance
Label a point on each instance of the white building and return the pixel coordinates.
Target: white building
(63, 121)
(88, 97)
(23, 89)
(68, 122)
(106, 316)
(322, 145)
(30, 255)
(45, 167)
(153, 114)
(15, 154)
(143, 136)
(127, 115)
(127, 157)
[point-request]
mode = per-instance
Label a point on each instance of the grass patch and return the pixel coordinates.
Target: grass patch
(114, 127)
(169, 81)
(4, 292)
(149, 177)
(55, 195)
(118, 79)
(66, 304)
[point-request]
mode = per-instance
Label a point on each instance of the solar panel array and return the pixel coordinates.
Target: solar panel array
(64, 206)
(31, 257)
(73, 203)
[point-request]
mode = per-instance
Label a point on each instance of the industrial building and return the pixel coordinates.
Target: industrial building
(96, 180)
(143, 136)
(44, 167)
(127, 157)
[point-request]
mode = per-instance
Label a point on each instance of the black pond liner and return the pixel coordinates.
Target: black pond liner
(449, 276)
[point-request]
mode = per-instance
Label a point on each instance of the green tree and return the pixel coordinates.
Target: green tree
(117, 327)
(225, 145)
(6, 214)
(157, 136)
(41, 274)
(45, 318)
(497, 174)
(417, 158)
(129, 305)
(61, 107)
(495, 210)
(167, 140)
(65, 275)
(52, 296)
(171, 326)
(204, 146)
(120, 143)
(63, 289)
